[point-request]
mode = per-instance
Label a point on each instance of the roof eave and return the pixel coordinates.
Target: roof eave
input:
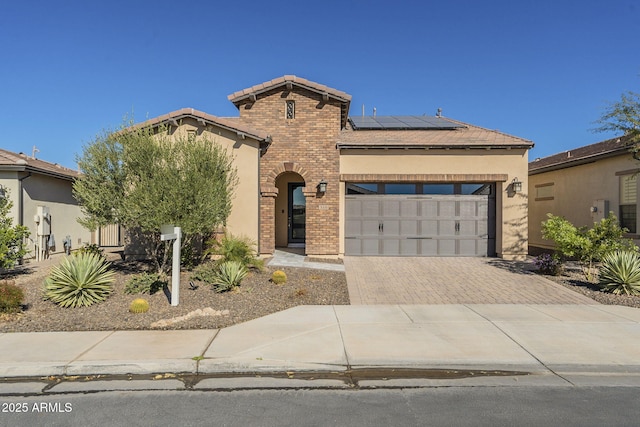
(341, 146)
(577, 161)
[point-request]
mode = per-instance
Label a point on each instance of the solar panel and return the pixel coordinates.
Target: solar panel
(402, 122)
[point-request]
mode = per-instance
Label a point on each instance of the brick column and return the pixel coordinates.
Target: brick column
(268, 219)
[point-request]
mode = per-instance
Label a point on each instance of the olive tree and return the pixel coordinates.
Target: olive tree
(623, 117)
(143, 178)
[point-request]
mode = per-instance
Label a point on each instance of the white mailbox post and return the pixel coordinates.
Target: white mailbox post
(169, 232)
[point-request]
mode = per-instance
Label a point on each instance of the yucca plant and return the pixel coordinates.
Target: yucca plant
(229, 275)
(79, 280)
(620, 273)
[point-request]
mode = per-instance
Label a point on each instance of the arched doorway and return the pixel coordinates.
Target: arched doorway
(290, 210)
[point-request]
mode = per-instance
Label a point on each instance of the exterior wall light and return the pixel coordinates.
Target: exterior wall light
(322, 186)
(3, 192)
(516, 185)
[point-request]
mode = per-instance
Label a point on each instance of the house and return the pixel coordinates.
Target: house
(583, 185)
(313, 177)
(42, 198)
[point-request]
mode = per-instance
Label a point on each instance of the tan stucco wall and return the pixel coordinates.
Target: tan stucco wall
(243, 220)
(575, 190)
(511, 209)
(56, 194)
(9, 181)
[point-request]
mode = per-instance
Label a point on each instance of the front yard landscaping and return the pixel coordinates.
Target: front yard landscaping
(200, 308)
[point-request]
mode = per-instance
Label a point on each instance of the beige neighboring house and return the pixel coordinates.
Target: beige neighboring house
(583, 185)
(42, 198)
(311, 176)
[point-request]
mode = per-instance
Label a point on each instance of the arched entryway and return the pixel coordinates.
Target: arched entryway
(290, 210)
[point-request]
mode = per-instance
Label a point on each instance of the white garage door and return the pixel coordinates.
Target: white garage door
(420, 225)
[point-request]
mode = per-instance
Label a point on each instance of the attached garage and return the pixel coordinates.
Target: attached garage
(420, 224)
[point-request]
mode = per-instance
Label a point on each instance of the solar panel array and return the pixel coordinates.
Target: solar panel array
(402, 122)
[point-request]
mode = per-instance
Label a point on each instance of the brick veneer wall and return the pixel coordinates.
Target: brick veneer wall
(305, 145)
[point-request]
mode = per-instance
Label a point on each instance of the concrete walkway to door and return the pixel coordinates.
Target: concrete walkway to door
(449, 280)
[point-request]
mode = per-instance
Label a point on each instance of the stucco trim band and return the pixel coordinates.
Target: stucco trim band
(426, 177)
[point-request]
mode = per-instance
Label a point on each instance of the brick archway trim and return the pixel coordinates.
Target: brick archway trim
(287, 167)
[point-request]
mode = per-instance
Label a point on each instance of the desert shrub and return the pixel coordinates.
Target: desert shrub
(548, 264)
(205, 272)
(233, 248)
(11, 298)
(229, 275)
(144, 283)
(279, 277)
(91, 249)
(139, 305)
(79, 280)
(620, 273)
(588, 245)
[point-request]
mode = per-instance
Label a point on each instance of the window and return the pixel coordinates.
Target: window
(628, 198)
(291, 110)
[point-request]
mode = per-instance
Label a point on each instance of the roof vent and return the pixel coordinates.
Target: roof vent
(439, 113)
(568, 154)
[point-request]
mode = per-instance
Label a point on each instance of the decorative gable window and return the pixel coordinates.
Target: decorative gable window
(628, 202)
(291, 110)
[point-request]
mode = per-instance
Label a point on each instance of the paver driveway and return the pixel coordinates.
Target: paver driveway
(450, 280)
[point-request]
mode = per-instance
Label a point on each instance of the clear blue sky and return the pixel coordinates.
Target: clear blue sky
(543, 70)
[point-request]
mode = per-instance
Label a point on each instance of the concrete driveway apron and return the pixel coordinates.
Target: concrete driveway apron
(450, 280)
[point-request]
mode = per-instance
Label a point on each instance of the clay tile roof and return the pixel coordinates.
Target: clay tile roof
(22, 162)
(231, 123)
(579, 156)
(467, 136)
(240, 95)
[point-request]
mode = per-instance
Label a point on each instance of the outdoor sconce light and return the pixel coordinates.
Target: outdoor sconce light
(3, 192)
(516, 185)
(322, 186)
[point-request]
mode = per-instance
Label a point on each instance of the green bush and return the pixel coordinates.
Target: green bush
(144, 283)
(139, 305)
(229, 275)
(91, 249)
(11, 298)
(279, 277)
(79, 280)
(232, 248)
(620, 273)
(205, 272)
(588, 245)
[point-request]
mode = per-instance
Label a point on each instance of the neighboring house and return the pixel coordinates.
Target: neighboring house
(583, 185)
(312, 177)
(42, 192)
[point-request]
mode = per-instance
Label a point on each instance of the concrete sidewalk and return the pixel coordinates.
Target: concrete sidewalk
(559, 341)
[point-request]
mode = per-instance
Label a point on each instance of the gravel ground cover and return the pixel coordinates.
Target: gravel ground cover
(573, 278)
(255, 297)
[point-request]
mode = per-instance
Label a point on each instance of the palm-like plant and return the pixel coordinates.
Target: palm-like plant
(620, 273)
(79, 280)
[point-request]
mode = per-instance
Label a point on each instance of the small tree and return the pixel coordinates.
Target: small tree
(144, 178)
(12, 237)
(588, 245)
(623, 117)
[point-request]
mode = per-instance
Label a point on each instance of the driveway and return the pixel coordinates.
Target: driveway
(450, 280)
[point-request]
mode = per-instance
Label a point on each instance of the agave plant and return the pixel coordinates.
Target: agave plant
(620, 273)
(79, 280)
(229, 275)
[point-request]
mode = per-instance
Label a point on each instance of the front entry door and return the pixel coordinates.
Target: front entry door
(297, 212)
